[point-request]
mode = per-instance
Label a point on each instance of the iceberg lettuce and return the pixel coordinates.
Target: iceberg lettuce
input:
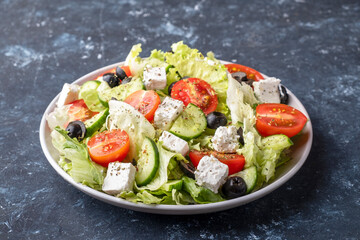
(198, 193)
(80, 167)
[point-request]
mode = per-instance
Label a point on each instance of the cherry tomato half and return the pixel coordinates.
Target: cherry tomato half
(109, 146)
(196, 91)
(235, 162)
(146, 102)
(79, 111)
(274, 118)
(113, 70)
(250, 73)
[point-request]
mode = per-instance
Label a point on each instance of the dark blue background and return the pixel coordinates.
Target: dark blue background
(313, 46)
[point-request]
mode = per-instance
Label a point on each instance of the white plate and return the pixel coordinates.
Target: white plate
(300, 151)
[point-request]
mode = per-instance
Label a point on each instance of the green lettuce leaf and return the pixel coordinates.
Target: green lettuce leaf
(240, 100)
(81, 169)
(174, 171)
(144, 197)
(198, 193)
(181, 197)
(134, 61)
(271, 152)
(201, 142)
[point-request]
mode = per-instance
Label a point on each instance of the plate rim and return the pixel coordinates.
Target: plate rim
(172, 209)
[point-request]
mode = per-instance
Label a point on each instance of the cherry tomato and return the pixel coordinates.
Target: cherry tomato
(196, 91)
(235, 162)
(109, 146)
(274, 118)
(127, 70)
(79, 111)
(146, 102)
(113, 70)
(250, 73)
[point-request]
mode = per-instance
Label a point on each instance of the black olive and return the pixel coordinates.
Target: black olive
(126, 80)
(134, 163)
(76, 129)
(188, 169)
(242, 78)
(112, 79)
(121, 73)
(240, 132)
(215, 120)
(234, 187)
(284, 97)
(170, 87)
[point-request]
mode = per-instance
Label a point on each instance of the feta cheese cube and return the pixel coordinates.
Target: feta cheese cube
(167, 112)
(267, 90)
(119, 177)
(226, 139)
(174, 143)
(69, 93)
(154, 78)
(211, 173)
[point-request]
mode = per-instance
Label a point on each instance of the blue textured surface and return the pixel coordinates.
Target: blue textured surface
(313, 46)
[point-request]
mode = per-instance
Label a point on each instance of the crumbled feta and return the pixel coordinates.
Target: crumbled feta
(211, 173)
(167, 112)
(119, 177)
(155, 78)
(267, 90)
(174, 143)
(226, 139)
(69, 93)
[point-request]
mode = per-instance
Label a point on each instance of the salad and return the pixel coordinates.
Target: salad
(176, 127)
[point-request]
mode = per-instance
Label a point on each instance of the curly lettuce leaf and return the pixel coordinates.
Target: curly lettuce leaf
(144, 197)
(134, 61)
(81, 169)
(198, 193)
(181, 197)
(174, 171)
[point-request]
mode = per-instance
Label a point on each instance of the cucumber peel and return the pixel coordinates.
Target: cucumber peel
(96, 122)
(250, 177)
(190, 124)
(172, 184)
(148, 162)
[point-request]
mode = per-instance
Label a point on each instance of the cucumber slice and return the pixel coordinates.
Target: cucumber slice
(89, 94)
(172, 184)
(96, 122)
(105, 92)
(190, 124)
(250, 177)
(148, 162)
(277, 142)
